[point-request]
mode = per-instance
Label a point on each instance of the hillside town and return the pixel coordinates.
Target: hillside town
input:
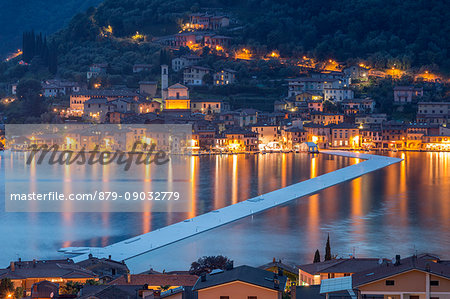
(318, 108)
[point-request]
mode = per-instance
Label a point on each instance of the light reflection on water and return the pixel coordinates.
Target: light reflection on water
(402, 208)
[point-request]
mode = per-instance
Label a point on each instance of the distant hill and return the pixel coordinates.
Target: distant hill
(405, 32)
(45, 16)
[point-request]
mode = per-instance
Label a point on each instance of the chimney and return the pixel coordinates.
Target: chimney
(280, 272)
(397, 260)
(12, 266)
(109, 257)
(90, 255)
(20, 259)
(293, 290)
(203, 277)
(164, 80)
(34, 263)
(229, 266)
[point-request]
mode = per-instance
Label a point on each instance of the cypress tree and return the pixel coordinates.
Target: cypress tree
(317, 257)
(328, 249)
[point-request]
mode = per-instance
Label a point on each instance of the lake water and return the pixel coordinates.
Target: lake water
(396, 210)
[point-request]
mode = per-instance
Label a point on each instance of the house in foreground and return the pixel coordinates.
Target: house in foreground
(240, 282)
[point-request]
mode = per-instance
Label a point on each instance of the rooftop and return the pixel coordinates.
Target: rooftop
(246, 274)
(407, 264)
(157, 280)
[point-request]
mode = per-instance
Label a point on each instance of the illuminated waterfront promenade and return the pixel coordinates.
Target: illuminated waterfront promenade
(158, 238)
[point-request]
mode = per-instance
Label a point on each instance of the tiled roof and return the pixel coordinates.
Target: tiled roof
(106, 93)
(157, 279)
(39, 269)
(407, 264)
(246, 274)
(351, 265)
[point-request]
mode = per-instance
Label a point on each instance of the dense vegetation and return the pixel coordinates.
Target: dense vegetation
(407, 33)
(47, 16)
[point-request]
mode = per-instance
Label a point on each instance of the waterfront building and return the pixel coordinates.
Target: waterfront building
(266, 133)
(433, 112)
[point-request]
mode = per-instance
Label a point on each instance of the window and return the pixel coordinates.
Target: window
(224, 297)
(252, 297)
(434, 283)
(390, 282)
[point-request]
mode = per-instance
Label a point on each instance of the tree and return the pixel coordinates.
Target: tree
(317, 257)
(29, 90)
(6, 287)
(208, 263)
(70, 288)
(328, 249)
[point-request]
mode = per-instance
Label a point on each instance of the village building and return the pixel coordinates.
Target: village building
(148, 88)
(345, 136)
(217, 42)
(224, 77)
(315, 106)
(240, 282)
(26, 273)
(283, 105)
(293, 137)
(96, 109)
(96, 69)
(142, 67)
(239, 140)
(371, 138)
(315, 273)
(177, 98)
(318, 85)
(77, 99)
(203, 21)
(318, 134)
(308, 96)
(246, 117)
(206, 106)
(406, 94)
(184, 61)
(54, 88)
(326, 118)
(433, 112)
(394, 135)
(185, 39)
(370, 119)
(337, 94)
(358, 106)
(357, 72)
(193, 75)
(266, 133)
(413, 277)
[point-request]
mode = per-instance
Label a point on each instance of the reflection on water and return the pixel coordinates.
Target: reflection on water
(215, 182)
(399, 209)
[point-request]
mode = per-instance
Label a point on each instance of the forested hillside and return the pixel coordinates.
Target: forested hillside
(412, 33)
(45, 16)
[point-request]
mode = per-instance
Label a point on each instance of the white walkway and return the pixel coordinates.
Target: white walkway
(156, 239)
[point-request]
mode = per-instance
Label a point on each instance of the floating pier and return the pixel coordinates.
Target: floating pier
(132, 247)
